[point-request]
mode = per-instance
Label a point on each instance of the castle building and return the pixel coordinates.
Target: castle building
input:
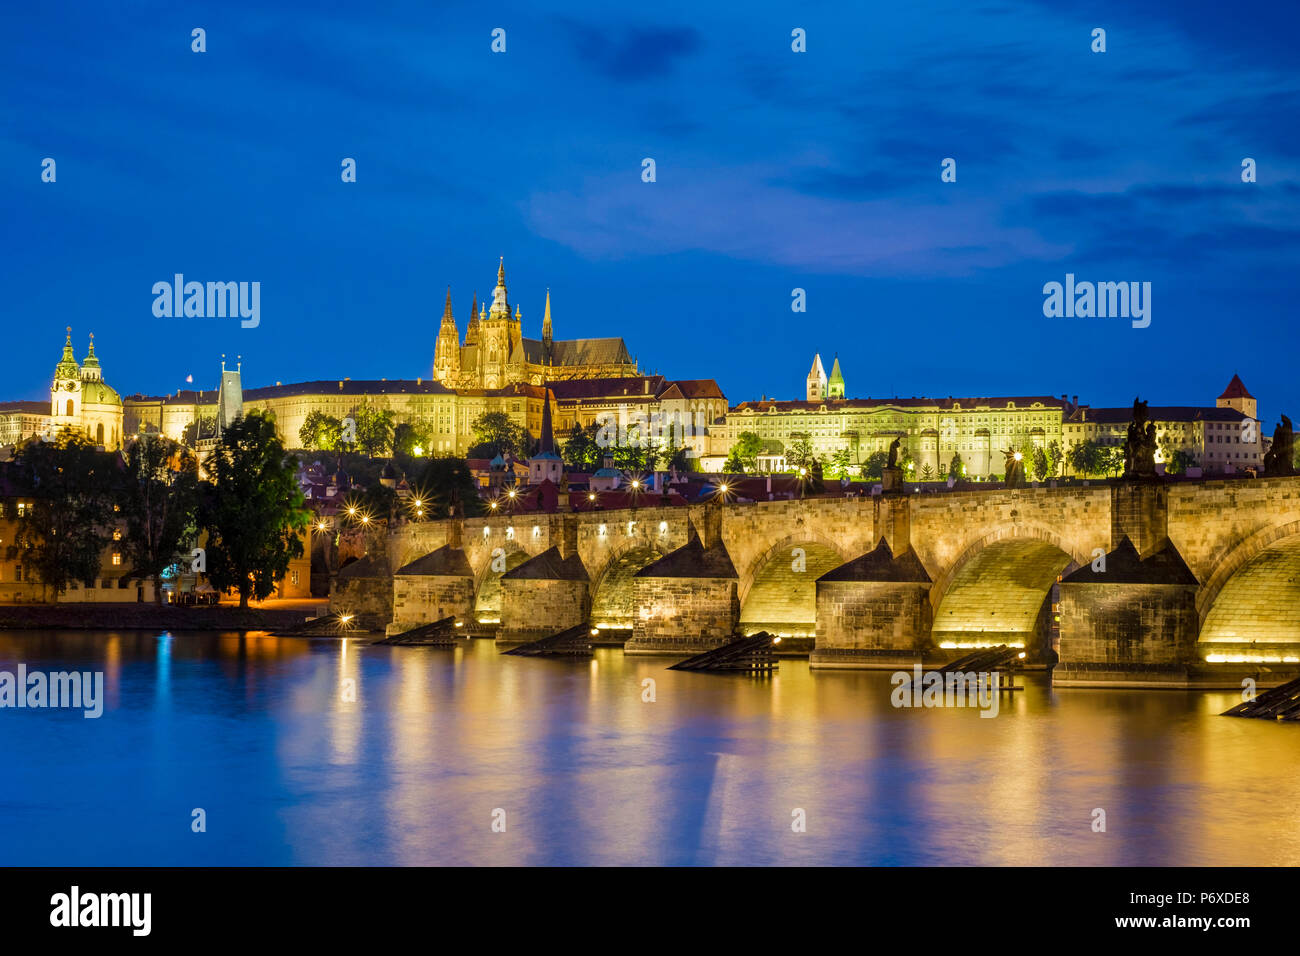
(1224, 439)
(495, 353)
(931, 430)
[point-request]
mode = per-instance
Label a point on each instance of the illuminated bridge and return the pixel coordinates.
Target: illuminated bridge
(1181, 583)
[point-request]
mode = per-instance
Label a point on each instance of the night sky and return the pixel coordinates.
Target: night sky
(775, 170)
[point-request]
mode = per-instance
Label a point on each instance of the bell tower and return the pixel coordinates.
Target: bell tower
(65, 391)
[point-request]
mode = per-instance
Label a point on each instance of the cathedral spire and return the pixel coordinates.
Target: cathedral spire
(546, 320)
(471, 331)
(446, 351)
(500, 304)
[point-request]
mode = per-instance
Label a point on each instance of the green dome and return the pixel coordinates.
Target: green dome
(97, 393)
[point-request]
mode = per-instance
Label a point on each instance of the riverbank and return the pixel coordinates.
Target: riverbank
(117, 617)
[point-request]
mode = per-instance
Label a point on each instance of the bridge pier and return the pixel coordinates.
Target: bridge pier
(548, 593)
(436, 586)
(689, 600)
(1133, 624)
(873, 612)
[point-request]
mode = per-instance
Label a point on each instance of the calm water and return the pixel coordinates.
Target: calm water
(252, 730)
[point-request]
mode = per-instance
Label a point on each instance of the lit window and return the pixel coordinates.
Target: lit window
(117, 558)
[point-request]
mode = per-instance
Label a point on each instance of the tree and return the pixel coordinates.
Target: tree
(494, 432)
(927, 473)
(581, 451)
(160, 502)
(747, 447)
(408, 436)
(733, 465)
(800, 455)
(320, 432)
(874, 466)
(72, 486)
(374, 429)
(1039, 464)
(957, 467)
(1052, 453)
(205, 426)
(1180, 461)
(1087, 458)
(840, 463)
(253, 509)
(446, 485)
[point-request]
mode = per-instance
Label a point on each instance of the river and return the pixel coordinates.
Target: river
(466, 756)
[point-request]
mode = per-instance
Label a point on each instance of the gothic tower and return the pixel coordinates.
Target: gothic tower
(500, 337)
(471, 332)
(835, 386)
(446, 353)
(817, 380)
(548, 345)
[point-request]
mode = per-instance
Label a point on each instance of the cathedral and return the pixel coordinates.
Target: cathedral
(495, 353)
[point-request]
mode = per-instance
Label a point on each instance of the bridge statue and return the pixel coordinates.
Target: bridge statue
(1140, 445)
(893, 453)
(1280, 457)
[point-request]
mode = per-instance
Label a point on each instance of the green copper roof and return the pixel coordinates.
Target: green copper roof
(67, 367)
(97, 393)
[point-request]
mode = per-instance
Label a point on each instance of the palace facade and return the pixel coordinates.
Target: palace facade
(1222, 438)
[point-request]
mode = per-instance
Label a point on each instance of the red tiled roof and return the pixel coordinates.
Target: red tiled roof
(693, 388)
(1236, 389)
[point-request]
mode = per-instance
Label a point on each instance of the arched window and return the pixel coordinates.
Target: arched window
(69, 408)
(99, 434)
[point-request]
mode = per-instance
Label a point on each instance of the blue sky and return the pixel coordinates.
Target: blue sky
(775, 170)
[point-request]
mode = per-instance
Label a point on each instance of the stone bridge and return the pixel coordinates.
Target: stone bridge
(1184, 583)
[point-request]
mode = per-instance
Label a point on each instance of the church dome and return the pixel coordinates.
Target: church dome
(99, 393)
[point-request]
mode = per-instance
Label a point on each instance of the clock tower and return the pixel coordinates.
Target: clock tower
(65, 392)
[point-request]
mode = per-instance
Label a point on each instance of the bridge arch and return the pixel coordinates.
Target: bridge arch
(487, 580)
(999, 589)
(1252, 600)
(613, 603)
(778, 591)
(1238, 557)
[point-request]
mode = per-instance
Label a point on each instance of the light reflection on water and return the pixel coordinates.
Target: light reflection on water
(255, 731)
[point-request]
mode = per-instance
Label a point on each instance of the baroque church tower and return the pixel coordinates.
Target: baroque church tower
(65, 392)
(80, 399)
